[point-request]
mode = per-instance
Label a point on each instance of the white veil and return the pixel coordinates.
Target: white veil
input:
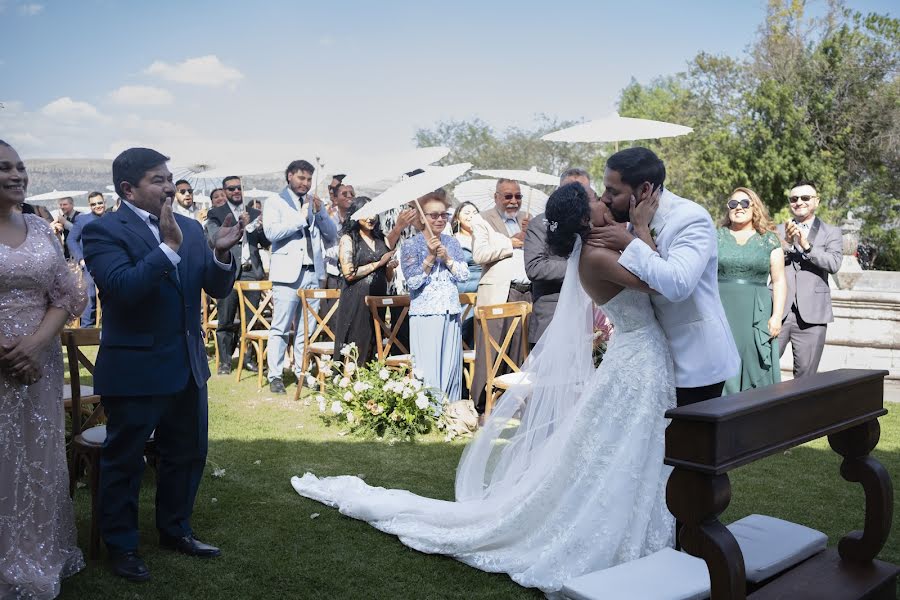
(529, 420)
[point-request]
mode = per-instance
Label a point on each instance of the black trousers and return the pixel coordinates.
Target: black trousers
(685, 396)
(180, 422)
(228, 332)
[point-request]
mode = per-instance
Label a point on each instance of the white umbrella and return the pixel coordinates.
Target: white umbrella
(257, 193)
(532, 177)
(54, 195)
(205, 177)
(480, 192)
(375, 169)
(617, 129)
(411, 189)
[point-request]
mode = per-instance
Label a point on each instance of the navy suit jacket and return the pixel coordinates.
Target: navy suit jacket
(73, 241)
(151, 341)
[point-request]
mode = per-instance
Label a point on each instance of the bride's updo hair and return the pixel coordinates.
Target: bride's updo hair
(568, 212)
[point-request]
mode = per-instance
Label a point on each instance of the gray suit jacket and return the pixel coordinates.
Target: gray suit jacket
(807, 272)
(546, 272)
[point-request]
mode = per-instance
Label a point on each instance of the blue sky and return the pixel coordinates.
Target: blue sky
(273, 80)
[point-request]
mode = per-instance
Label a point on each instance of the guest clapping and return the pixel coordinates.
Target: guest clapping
(38, 294)
(749, 254)
(434, 265)
(367, 266)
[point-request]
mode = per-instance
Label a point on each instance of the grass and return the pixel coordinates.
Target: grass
(273, 548)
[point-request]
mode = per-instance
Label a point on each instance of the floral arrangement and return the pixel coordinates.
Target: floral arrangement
(603, 330)
(377, 401)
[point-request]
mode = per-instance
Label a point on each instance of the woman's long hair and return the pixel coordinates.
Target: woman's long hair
(761, 221)
(351, 227)
(454, 222)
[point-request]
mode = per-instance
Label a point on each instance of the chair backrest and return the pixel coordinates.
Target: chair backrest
(73, 340)
(261, 312)
(518, 313)
(467, 302)
(386, 332)
(322, 327)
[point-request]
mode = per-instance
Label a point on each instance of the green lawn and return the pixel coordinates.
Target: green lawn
(274, 548)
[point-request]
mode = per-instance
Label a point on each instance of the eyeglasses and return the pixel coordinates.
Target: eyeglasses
(437, 216)
(733, 204)
(233, 188)
(511, 196)
(796, 199)
(188, 191)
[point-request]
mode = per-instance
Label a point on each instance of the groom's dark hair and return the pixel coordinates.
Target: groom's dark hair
(637, 165)
(132, 164)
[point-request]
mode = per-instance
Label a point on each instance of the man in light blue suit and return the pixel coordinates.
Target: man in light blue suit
(298, 226)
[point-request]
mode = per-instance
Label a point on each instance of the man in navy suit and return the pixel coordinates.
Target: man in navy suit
(150, 265)
(97, 204)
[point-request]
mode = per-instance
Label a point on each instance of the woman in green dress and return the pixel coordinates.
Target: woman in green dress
(750, 253)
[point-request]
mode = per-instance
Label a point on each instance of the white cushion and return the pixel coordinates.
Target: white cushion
(86, 391)
(511, 379)
(771, 545)
(323, 347)
(664, 575)
(468, 355)
(395, 359)
(94, 435)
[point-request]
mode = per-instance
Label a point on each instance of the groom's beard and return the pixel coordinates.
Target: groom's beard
(620, 216)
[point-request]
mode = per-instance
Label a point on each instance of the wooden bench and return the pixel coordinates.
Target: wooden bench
(707, 440)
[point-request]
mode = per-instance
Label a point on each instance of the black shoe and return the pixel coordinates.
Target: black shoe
(129, 566)
(250, 366)
(276, 386)
(224, 369)
(189, 545)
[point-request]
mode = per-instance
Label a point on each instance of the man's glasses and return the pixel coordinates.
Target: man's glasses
(233, 188)
(511, 196)
(187, 192)
(796, 199)
(733, 204)
(437, 216)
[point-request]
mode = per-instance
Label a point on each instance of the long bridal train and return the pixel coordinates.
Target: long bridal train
(567, 477)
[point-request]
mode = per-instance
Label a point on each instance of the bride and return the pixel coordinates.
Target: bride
(567, 475)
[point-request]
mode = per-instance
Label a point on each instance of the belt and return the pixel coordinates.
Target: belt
(522, 288)
(742, 281)
(246, 266)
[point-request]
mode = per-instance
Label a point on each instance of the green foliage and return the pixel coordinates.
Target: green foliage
(377, 401)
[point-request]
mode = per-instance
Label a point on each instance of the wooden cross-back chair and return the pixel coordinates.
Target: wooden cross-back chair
(313, 348)
(209, 320)
(255, 329)
(467, 302)
(496, 352)
(88, 424)
(385, 333)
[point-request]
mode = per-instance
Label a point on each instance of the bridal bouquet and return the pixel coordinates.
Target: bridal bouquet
(603, 330)
(376, 400)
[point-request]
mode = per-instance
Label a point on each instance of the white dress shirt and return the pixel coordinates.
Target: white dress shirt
(518, 254)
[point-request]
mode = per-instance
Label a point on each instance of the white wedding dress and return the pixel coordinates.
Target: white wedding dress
(567, 476)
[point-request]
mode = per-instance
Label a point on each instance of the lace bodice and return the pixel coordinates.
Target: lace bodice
(630, 310)
(748, 261)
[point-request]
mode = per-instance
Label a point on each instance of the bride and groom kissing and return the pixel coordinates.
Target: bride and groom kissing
(567, 475)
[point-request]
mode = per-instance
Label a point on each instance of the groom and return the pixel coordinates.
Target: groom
(682, 268)
(151, 370)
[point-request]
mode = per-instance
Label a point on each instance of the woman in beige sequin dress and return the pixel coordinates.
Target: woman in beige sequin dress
(38, 294)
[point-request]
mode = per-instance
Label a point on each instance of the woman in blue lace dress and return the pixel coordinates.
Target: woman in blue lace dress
(433, 266)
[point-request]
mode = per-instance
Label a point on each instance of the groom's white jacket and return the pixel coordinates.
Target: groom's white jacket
(684, 271)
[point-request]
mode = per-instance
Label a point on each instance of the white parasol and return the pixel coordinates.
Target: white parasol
(531, 177)
(617, 129)
(480, 192)
(54, 195)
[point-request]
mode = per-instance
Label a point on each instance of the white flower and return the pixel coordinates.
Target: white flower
(336, 379)
(408, 392)
(348, 396)
(344, 382)
(326, 357)
(311, 381)
(348, 348)
(336, 407)
(421, 401)
(326, 371)
(418, 373)
(361, 386)
(384, 374)
(218, 472)
(350, 416)
(322, 403)
(350, 367)
(416, 384)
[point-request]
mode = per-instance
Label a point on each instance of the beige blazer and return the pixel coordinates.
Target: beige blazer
(492, 249)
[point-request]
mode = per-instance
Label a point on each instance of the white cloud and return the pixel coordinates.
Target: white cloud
(204, 70)
(141, 95)
(70, 110)
(31, 9)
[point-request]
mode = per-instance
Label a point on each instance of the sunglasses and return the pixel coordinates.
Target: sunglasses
(733, 204)
(511, 196)
(233, 188)
(437, 216)
(796, 199)
(187, 191)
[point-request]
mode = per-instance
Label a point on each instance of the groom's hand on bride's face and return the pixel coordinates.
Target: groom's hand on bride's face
(612, 237)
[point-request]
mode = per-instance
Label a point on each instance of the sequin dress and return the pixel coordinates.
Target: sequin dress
(37, 522)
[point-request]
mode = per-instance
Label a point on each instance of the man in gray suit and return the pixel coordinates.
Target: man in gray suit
(812, 250)
(544, 269)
